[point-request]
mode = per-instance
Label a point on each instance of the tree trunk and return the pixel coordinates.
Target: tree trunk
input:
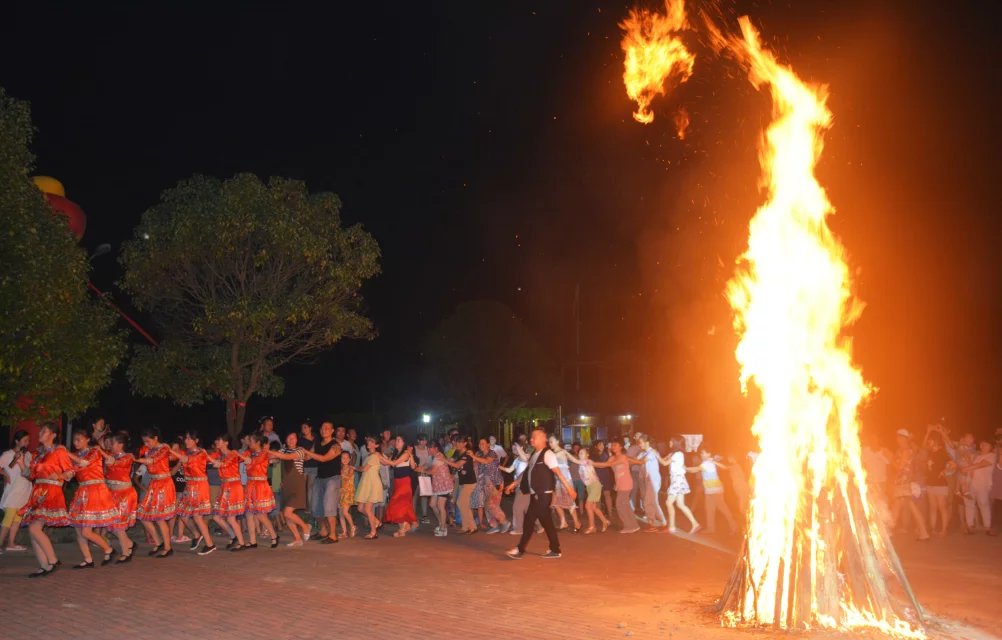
(236, 413)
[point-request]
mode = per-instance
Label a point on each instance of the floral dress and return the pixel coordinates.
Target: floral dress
(347, 486)
(562, 499)
(487, 475)
(442, 483)
(678, 485)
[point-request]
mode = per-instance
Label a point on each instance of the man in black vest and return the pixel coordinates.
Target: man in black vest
(538, 481)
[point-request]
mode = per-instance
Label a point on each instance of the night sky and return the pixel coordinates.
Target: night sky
(489, 148)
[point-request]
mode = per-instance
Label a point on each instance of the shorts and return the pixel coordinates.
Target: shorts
(938, 491)
(595, 492)
(10, 517)
(328, 496)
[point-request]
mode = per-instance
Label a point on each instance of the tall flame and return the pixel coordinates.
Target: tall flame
(815, 555)
(653, 52)
(792, 299)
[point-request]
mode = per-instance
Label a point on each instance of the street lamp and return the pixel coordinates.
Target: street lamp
(426, 418)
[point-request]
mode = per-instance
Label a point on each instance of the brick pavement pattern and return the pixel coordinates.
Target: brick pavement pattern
(606, 586)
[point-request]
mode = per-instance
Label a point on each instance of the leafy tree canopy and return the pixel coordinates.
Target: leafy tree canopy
(243, 277)
(58, 346)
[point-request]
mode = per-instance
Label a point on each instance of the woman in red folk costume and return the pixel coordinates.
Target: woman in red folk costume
(47, 505)
(93, 506)
(118, 477)
(160, 502)
(230, 504)
(260, 499)
(195, 504)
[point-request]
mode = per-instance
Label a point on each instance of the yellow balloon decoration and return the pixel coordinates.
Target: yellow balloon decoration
(49, 185)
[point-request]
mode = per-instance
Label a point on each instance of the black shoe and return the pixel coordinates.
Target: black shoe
(550, 555)
(166, 554)
(250, 546)
(239, 547)
(274, 542)
(329, 541)
(157, 549)
(84, 565)
(197, 541)
(42, 572)
(107, 558)
(207, 550)
(232, 544)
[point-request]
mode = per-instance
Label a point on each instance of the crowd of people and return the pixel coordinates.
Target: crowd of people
(326, 485)
(924, 482)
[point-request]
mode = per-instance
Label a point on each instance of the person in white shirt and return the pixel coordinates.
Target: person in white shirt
(539, 481)
(15, 464)
(497, 449)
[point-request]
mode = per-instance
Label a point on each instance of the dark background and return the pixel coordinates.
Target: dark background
(490, 150)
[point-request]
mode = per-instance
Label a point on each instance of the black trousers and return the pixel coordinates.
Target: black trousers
(539, 509)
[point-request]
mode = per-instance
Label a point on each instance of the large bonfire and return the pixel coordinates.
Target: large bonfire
(815, 554)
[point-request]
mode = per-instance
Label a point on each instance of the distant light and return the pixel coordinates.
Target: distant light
(583, 418)
(426, 418)
(629, 416)
(146, 236)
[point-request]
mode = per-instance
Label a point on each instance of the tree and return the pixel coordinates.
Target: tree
(488, 362)
(58, 345)
(243, 277)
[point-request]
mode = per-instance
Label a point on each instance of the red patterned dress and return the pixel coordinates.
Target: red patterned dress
(93, 505)
(118, 477)
(160, 501)
(260, 498)
(47, 502)
(231, 492)
(195, 500)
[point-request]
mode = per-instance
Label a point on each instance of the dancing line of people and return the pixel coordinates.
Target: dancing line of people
(185, 487)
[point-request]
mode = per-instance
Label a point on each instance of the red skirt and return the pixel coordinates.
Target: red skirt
(160, 501)
(124, 495)
(401, 507)
(195, 500)
(231, 500)
(47, 504)
(93, 506)
(260, 498)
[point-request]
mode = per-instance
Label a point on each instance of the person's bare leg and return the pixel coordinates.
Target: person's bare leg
(151, 533)
(693, 524)
(38, 537)
(166, 535)
(236, 529)
(671, 512)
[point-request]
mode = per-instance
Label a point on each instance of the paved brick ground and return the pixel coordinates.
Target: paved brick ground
(605, 586)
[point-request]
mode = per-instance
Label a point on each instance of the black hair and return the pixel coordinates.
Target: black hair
(150, 432)
(259, 438)
(434, 443)
(83, 432)
(20, 433)
(225, 437)
(193, 434)
(50, 426)
(274, 446)
(122, 437)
